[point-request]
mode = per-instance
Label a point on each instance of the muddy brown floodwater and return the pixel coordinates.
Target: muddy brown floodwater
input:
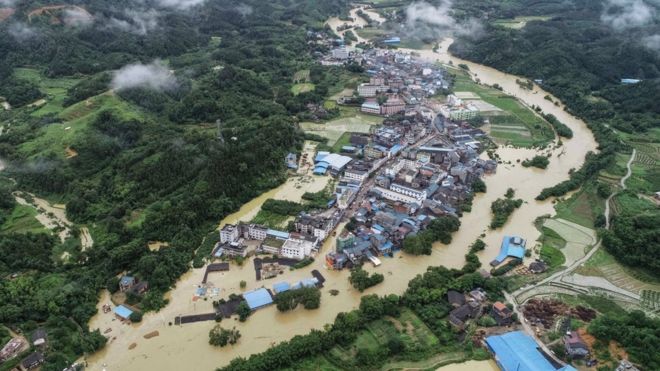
(186, 347)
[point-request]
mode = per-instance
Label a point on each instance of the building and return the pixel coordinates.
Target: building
(333, 162)
(13, 346)
(370, 91)
(32, 361)
(126, 282)
(140, 288)
(575, 346)
(314, 226)
(459, 113)
(501, 313)
(258, 298)
(39, 337)
(281, 287)
(417, 194)
(370, 106)
(624, 365)
(123, 313)
(392, 106)
(513, 247)
(392, 195)
(297, 248)
(395, 40)
(229, 233)
(455, 298)
(253, 231)
(515, 351)
(460, 315)
(272, 245)
(291, 161)
(233, 249)
(340, 53)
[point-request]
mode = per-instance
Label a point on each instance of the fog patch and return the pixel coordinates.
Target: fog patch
(179, 4)
(77, 17)
(652, 42)
(153, 76)
(244, 10)
(624, 14)
(7, 3)
(424, 20)
(139, 22)
(21, 32)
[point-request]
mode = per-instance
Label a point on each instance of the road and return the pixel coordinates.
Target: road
(557, 276)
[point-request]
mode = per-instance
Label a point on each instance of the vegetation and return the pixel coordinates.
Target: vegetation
(361, 280)
(243, 311)
(636, 333)
(633, 240)
(538, 161)
(309, 297)
(552, 256)
(220, 337)
(502, 208)
(440, 229)
(479, 186)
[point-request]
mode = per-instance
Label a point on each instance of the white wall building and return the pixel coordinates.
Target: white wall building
(395, 196)
(417, 194)
(228, 233)
(295, 248)
(340, 53)
(368, 90)
(257, 232)
(355, 174)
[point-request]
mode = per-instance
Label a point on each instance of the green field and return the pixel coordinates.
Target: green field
(517, 125)
(270, 219)
(350, 120)
(301, 76)
(55, 89)
(582, 207)
(22, 220)
(302, 88)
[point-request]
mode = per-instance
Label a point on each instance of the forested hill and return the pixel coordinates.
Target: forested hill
(581, 58)
(127, 139)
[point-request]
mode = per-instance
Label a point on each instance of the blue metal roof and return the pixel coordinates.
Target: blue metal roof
(515, 351)
(281, 287)
(320, 169)
(320, 155)
(123, 312)
(510, 249)
(277, 234)
(257, 298)
(126, 280)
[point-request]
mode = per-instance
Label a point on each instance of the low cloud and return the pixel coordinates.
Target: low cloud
(153, 76)
(624, 14)
(652, 42)
(139, 22)
(7, 3)
(244, 10)
(425, 20)
(77, 17)
(21, 32)
(179, 4)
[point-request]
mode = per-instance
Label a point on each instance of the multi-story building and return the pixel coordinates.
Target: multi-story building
(315, 226)
(340, 53)
(368, 90)
(253, 231)
(229, 233)
(392, 106)
(393, 195)
(298, 248)
(417, 194)
(370, 106)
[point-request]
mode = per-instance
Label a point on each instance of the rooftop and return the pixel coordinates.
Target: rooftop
(258, 298)
(123, 312)
(517, 351)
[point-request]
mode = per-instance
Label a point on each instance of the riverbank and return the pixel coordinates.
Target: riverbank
(178, 347)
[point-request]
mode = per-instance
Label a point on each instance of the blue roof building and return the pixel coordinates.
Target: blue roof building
(511, 247)
(281, 287)
(123, 312)
(277, 234)
(258, 298)
(392, 40)
(516, 351)
(308, 282)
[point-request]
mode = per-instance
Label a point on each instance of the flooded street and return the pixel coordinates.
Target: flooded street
(186, 347)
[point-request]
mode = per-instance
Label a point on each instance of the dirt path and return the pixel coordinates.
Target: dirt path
(86, 240)
(48, 215)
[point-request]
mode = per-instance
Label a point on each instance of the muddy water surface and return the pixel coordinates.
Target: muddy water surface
(186, 347)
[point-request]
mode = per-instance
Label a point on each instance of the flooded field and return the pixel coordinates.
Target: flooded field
(186, 347)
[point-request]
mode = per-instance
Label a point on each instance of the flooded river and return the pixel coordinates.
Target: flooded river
(186, 347)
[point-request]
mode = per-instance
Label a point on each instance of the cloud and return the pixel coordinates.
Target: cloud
(624, 14)
(179, 4)
(153, 76)
(425, 20)
(139, 22)
(21, 32)
(7, 3)
(77, 17)
(652, 42)
(244, 10)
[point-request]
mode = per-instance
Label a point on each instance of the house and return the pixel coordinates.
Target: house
(233, 249)
(32, 361)
(575, 346)
(281, 287)
(460, 315)
(624, 365)
(340, 53)
(370, 106)
(10, 349)
(272, 245)
(126, 282)
(392, 106)
(140, 288)
(501, 313)
(229, 233)
(38, 337)
(455, 298)
(123, 313)
(538, 267)
(478, 295)
(318, 227)
(513, 247)
(291, 161)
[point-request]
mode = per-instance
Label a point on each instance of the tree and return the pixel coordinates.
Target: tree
(219, 336)
(479, 186)
(243, 284)
(243, 311)
(135, 317)
(395, 345)
(361, 280)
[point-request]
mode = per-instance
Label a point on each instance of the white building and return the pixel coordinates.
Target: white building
(297, 248)
(257, 232)
(340, 53)
(394, 196)
(370, 107)
(356, 174)
(368, 90)
(229, 233)
(459, 113)
(417, 194)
